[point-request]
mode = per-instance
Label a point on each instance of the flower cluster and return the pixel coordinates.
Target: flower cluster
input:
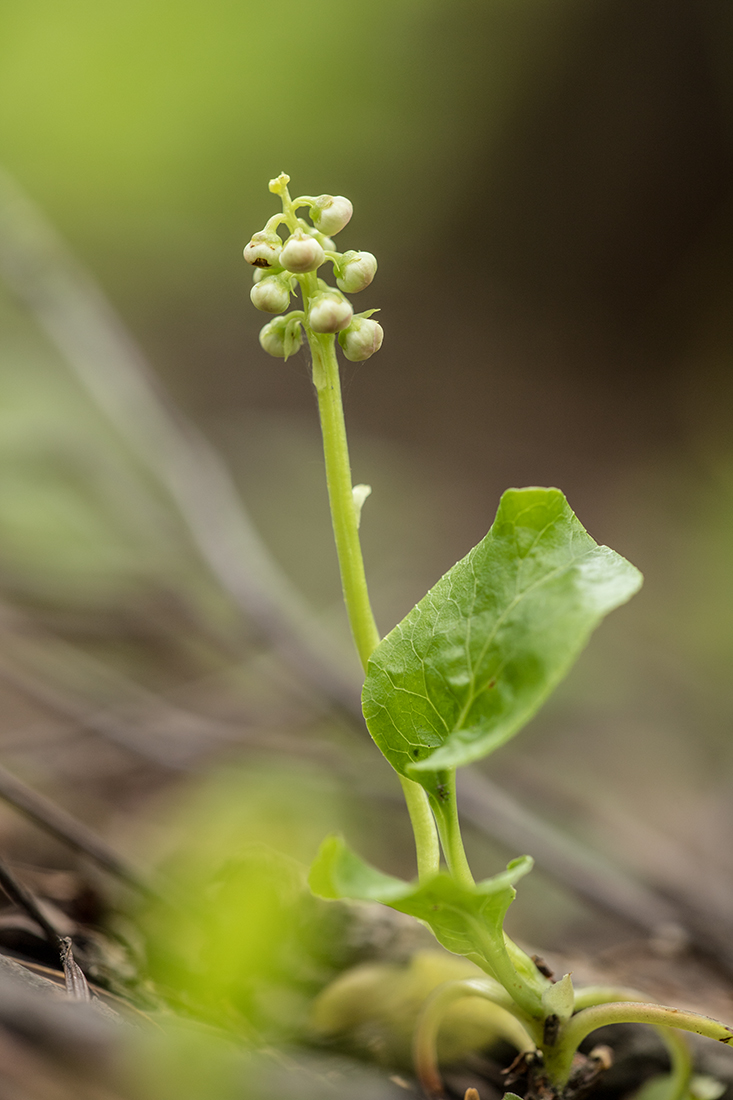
(282, 265)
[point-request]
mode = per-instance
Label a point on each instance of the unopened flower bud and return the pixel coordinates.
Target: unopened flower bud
(361, 339)
(272, 339)
(330, 213)
(281, 337)
(301, 253)
(330, 313)
(357, 271)
(264, 249)
(271, 294)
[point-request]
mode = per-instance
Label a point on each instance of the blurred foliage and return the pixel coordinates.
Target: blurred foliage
(374, 1008)
(244, 945)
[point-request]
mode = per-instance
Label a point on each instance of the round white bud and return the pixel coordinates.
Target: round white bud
(271, 294)
(301, 253)
(281, 337)
(357, 271)
(361, 339)
(330, 213)
(263, 250)
(330, 313)
(272, 338)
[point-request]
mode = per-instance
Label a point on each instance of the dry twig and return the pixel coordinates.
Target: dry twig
(68, 829)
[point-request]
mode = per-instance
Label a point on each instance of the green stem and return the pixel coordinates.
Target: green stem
(345, 519)
(496, 954)
(446, 814)
(677, 1046)
(423, 826)
(504, 1021)
(680, 1062)
(558, 1059)
(338, 478)
(494, 957)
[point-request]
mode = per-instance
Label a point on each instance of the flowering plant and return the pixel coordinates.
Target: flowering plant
(458, 677)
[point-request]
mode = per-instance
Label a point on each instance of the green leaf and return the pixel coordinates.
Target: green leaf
(474, 660)
(559, 998)
(457, 914)
(337, 872)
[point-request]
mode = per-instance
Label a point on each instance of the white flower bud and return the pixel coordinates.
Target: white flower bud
(272, 339)
(361, 339)
(270, 294)
(264, 249)
(357, 271)
(330, 313)
(301, 253)
(330, 213)
(281, 337)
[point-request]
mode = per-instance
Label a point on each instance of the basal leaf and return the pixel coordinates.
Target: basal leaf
(337, 872)
(475, 659)
(453, 911)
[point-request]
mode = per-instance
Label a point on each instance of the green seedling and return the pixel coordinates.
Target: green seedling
(458, 677)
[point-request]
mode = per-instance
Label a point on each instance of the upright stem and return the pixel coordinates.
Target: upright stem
(351, 564)
(343, 511)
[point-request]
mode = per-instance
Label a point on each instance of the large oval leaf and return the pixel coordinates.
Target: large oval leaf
(475, 659)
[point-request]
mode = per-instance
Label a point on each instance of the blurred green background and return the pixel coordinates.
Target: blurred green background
(547, 187)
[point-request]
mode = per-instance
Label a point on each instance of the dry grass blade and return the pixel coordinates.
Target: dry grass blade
(24, 899)
(76, 984)
(73, 1033)
(68, 829)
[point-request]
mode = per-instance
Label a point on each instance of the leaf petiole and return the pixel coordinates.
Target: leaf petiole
(677, 1046)
(423, 826)
(558, 1059)
(446, 815)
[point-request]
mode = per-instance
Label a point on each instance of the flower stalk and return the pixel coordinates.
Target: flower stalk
(326, 311)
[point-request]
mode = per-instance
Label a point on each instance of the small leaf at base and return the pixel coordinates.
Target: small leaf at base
(453, 911)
